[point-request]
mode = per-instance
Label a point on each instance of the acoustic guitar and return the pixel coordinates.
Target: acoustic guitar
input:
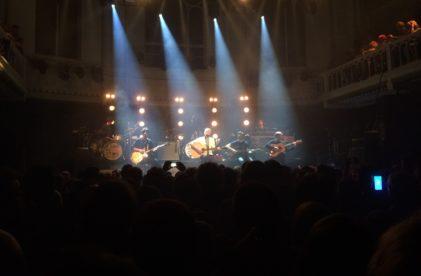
(197, 149)
(278, 149)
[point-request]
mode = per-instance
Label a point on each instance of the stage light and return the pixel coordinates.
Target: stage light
(140, 98)
(180, 123)
(141, 123)
(160, 16)
(111, 107)
(108, 96)
(215, 20)
(112, 122)
(112, 96)
(246, 98)
(246, 123)
(180, 111)
(246, 110)
(262, 17)
(179, 100)
(113, 6)
(141, 110)
(214, 110)
(214, 123)
(211, 100)
(180, 137)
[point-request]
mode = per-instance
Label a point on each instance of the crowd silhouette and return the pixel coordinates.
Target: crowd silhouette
(261, 219)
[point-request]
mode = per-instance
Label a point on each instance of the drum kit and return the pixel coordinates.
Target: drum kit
(109, 148)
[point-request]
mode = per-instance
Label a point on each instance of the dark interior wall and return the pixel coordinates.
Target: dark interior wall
(380, 16)
(41, 131)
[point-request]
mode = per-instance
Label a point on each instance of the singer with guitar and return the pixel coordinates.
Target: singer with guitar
(277, 147)
(204, 147)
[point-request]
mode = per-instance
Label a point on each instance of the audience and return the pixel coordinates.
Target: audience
(260, 219)
(402, 29)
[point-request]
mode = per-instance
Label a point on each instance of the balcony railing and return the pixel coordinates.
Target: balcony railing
(389, 57)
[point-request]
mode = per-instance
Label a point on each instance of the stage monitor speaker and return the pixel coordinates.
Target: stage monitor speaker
(170, 152)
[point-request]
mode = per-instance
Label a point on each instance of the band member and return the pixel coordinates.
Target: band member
(143, 144)
(239, 149)
(274, 145)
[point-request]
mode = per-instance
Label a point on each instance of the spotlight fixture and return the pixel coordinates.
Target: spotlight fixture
(214, 123)
(180, 137)
(140, 98)
(246, 123)
(180, 123)
(179, 99)
(141, 123)
(111, 107)
(180, 111)
(141, 110)
(246, 109)
(214, 110)
(112, 96)
(108, 96)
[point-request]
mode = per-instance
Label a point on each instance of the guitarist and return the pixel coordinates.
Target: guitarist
(272, 145)
(239, 149)
(209, 146)
(144, 143)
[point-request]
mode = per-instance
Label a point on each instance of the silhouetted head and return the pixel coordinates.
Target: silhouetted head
(165, 238)
(305, 216)
(253, 171)
(12, 261)
(337, 245)
(108, 213)
(255, 206)
(403, 188)
(399, 250)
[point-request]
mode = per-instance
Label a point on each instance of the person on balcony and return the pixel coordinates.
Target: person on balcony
(402, 28)
(413, 26)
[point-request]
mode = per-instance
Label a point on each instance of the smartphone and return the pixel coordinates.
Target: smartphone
(173, 165)
(378, 182)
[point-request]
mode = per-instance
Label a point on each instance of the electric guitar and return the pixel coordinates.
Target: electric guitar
(278, 149)
(139, 155)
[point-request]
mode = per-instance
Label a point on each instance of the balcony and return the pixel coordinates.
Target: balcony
(374, 74)
(12, 69)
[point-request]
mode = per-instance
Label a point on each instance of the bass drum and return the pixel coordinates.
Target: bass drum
(111, 150)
